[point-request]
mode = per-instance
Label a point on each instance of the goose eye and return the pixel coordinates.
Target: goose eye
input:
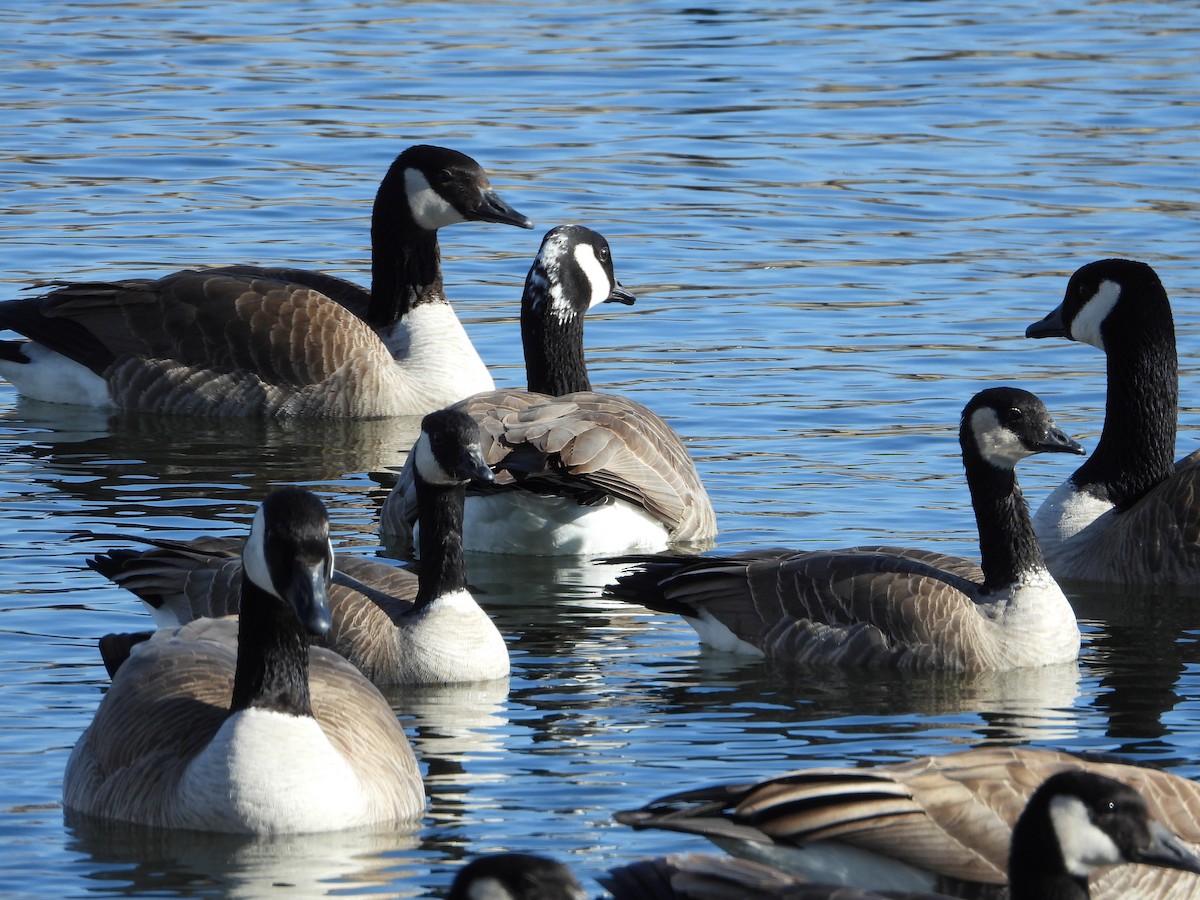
(604, 254)
(1015, 414)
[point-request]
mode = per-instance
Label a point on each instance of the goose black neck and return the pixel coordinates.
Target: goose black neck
(1036, 868)
(554, 362)
(1136, 450)
(272, 658)
(406, 266)
(440, 512)
(1008, 548)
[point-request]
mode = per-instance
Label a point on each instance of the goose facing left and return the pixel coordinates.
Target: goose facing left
(274, 342)
(238, 725)
(890, 606)
(396, 627)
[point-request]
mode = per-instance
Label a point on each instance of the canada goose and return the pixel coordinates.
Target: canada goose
(1129, 514)
(238, 725)
(515, 876)
(577, 472)
(397, 627)
(940, 823)
(890, 606)
(251, 341)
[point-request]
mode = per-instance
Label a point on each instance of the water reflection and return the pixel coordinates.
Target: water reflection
(1144, 644)
(131, 861)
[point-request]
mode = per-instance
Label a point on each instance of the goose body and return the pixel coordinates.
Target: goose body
(890, 606)
(395, 626)
(275, 342)
(1130, 514)
(239, 725)
(578, 472)
(935, 824)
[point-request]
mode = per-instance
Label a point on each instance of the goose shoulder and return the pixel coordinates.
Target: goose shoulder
(887, 606)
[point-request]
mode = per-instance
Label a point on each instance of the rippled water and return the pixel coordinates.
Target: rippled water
(838, 221)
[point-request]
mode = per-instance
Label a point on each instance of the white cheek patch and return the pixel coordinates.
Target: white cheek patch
(1084, 846)
(429, 208)
(997, 444)
(254, 559)
(425, 464)
(585, 258)
(1085, 326)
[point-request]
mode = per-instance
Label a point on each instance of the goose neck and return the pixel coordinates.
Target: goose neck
(406, 271)
(272, 657)
(443, 568)
(1008, 547)
(554, 360)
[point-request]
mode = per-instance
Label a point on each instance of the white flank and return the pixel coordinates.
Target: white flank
(713, 633)
(429, 208)
(521, 523)
(1084, 846)
(267, 772)
(53, 378)
(1085, 326)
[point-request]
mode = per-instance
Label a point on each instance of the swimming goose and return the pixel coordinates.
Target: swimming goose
(939, 823)
(280, 342)
(515, 876)
(397, 627)
(577, 472)
(890, 606)
(238, 725)
(1129, 515)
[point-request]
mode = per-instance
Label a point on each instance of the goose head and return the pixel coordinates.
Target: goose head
(515, 876)
(1004, 425)
(572, 272)
(436, 186)
(448, 451)
(1077, 821)
(1108, 302)
(289, 556)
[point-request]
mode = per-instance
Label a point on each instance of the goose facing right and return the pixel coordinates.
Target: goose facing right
(274, 341)
(1129, 515)
(888, 606)
(238, 725)
(937, 823)
(578, 472)
(396, 627)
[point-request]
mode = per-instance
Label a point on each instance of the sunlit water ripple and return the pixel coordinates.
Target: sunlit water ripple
(838, 221)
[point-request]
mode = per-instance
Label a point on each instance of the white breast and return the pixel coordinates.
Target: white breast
(270, 772)
(1065, 513)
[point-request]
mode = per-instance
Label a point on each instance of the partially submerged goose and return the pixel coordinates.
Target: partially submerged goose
(238, 725)
(251, 341)
(515, 876)
(397, 627)
(577, 472)
(1129, 515)
(945, 823)
(890, 606)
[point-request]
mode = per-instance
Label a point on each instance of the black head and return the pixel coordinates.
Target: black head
(448, 450)
(1003, 425)
(288, 554)
(1104, 299)
(1078, 821)
(572, 272)
(438, 186)
(515, 876)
